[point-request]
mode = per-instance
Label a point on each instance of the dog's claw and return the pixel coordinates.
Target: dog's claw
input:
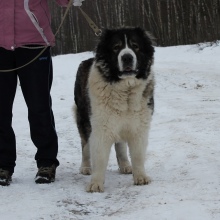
(86, 170)
(125, 170)
(142, 180)
(95, 187)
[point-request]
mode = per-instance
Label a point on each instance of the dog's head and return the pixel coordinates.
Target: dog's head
(123, 53)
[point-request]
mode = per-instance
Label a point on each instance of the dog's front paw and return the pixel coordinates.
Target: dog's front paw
(125, 170)
(95, 187)
(142, 180)
(86, 170)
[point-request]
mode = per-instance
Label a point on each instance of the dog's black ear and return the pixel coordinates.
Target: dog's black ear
(148, 41)
(103, 47)
(147, 35)
(102, 40)
(151, 37)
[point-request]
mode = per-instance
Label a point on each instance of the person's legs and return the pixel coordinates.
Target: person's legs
(36, 80)
(8, 84)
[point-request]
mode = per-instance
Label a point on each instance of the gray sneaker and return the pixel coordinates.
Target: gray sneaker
(46, 174)
(5, 177)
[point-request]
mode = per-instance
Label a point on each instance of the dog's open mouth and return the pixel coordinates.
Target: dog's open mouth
(127, 72)
(128, 69)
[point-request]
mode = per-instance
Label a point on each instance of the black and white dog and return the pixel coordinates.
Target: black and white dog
(114, 104)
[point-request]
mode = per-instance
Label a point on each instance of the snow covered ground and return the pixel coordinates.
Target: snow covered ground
(183, 157)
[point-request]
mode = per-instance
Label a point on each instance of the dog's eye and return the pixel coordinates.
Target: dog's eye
(135, 46)
(116, 47)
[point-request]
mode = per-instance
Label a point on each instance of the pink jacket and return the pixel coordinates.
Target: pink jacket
(25, 22)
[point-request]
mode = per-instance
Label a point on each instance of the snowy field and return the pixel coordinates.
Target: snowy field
(183, 156)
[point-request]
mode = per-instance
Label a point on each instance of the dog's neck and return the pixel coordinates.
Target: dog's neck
(125, 95)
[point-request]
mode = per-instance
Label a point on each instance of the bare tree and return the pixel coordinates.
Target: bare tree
(172, 22)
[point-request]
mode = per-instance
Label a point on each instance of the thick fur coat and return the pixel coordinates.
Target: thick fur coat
(114, 104)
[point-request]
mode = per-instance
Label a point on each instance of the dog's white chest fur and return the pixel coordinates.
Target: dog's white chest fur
(119, 109)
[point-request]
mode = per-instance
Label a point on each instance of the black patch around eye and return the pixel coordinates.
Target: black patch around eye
(116, 47)
(135, 46)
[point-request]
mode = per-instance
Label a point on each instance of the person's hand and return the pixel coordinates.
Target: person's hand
(77, 2)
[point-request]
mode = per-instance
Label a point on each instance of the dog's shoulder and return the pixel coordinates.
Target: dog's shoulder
(83, 71)
(82, 79)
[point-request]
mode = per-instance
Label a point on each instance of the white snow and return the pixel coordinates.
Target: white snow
(183, 156)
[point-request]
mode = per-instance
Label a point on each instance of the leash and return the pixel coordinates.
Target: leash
(44, 47)
(94, 27)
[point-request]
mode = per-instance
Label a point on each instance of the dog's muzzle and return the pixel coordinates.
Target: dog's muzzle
(127, 63)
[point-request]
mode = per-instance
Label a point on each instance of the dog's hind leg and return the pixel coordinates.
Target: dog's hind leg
(84, 131)
(137, 147)
(122, 158)
(85, 168)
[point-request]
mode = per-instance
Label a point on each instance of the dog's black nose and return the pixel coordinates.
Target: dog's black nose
(127, 58)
